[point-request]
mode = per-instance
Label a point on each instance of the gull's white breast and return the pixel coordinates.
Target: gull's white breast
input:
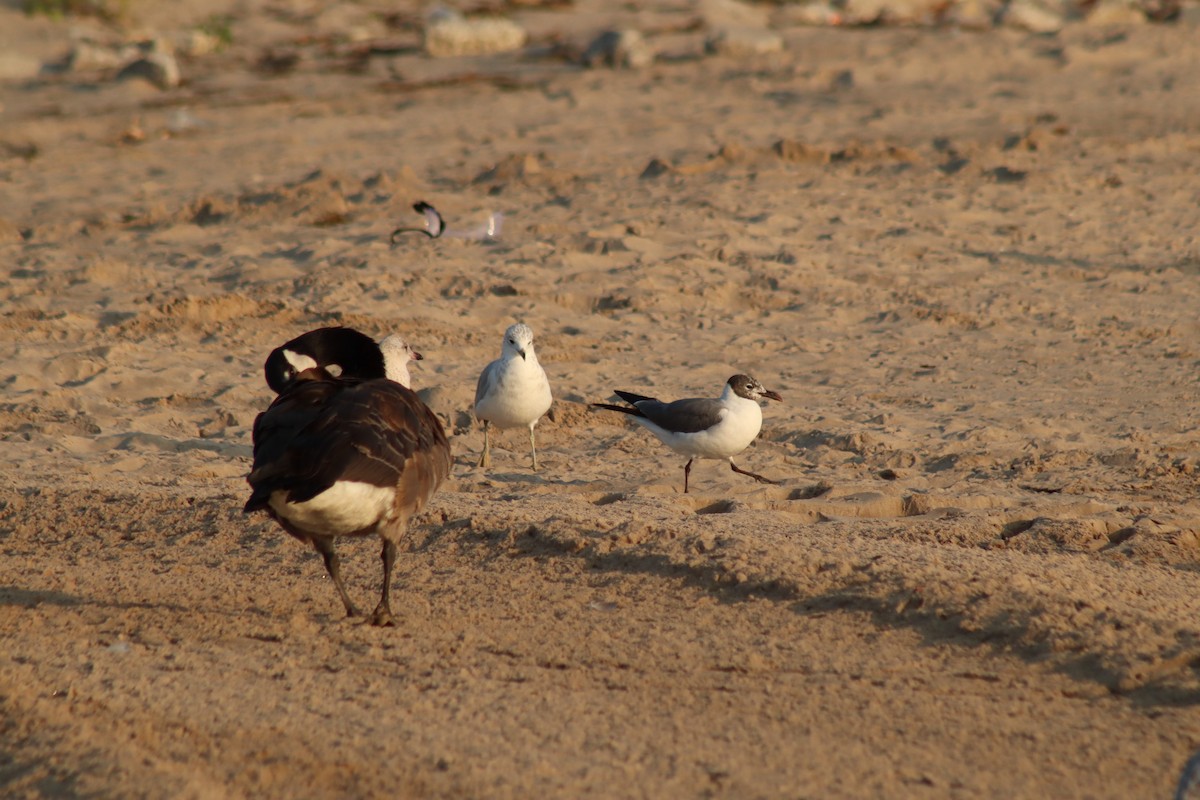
(741, 420)
(517, 396)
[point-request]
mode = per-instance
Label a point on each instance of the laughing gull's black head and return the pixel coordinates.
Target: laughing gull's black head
(342, 352)
(747, 387)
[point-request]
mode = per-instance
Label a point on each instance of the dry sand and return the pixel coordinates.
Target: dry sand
(968, 262)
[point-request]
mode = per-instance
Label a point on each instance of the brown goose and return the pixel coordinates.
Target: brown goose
(340, 457)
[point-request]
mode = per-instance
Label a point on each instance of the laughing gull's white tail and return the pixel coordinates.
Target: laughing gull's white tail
(702, 427)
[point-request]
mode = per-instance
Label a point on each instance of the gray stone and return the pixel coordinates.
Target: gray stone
(89, 56)
(161, 69)
(744, 42)
(620, 49)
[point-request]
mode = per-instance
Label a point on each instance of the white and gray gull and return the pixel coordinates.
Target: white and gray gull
(703, 427)
(343, 353)
(513, 391)
(343, 457)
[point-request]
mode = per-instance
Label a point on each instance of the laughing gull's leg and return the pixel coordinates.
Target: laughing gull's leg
(687, 470)
(383, 612)
(758, 478)
(533, 448)
(486, 458)
(334, 567)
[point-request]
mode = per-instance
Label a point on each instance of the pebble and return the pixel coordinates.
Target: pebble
(973, 15)
(161, 69)
(1031, 16)
(517, 166)
(656, 168)
(732, 14)
(744, 42)
(865, 12)
(448, 33)
(892, 12)
(196, 43)
(88, 56)
(817, 14)
(619, 49)
(1116, 13)
(790, 150)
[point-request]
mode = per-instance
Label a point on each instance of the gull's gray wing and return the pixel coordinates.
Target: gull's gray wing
(487, 379)
(683, 416)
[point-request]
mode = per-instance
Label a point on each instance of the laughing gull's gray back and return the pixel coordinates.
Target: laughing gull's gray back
(701, 427)
(680, 416)
(513, 391)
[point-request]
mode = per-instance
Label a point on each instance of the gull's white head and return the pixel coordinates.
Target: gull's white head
(396, 355)
(518, 343)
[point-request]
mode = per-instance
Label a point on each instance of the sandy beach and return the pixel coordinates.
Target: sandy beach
(967, 260)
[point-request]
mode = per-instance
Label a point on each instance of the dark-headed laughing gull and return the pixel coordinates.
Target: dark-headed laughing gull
(343, 353)
(702, 427)
(512, 391)
(341, 457)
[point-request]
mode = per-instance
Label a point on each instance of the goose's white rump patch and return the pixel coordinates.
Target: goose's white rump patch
(344, 508)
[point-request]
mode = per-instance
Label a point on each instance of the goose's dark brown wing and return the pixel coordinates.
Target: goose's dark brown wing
(291, 412)
(321, 432)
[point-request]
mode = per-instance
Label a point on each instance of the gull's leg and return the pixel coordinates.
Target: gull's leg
(687, 470)
(486, 459)
(334, 567)
(383, 612)
(533, 448)
(758, 478)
